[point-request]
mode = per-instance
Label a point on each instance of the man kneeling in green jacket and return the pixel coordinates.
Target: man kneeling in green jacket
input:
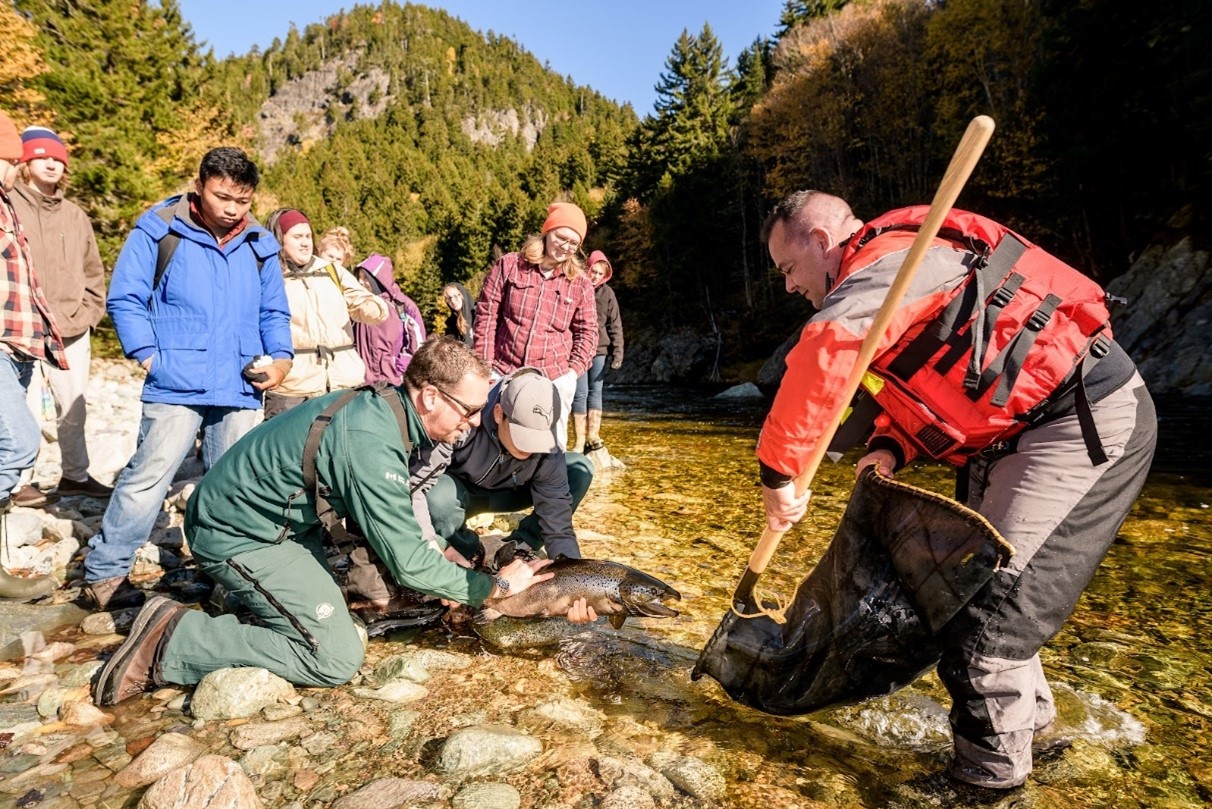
(253, 527)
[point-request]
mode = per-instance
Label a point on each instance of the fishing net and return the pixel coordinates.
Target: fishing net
(866, 620)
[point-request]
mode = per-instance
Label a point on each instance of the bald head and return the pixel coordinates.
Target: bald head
(803, 211)
(804, 234)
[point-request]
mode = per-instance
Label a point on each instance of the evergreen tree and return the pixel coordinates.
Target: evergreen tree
(798, 12)
(125, 80)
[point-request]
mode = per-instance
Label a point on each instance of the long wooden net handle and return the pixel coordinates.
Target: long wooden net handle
(966, 156)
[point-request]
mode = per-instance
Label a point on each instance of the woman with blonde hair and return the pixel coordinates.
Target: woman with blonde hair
(335, 245)
(536, 308)
(324, 298)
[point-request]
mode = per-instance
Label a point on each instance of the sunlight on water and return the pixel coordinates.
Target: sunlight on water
(1130, 670)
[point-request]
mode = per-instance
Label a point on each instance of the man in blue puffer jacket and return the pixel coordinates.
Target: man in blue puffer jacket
(196, 296)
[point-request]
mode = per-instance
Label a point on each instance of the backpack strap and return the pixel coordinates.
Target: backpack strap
(167, 245)
(311, 447)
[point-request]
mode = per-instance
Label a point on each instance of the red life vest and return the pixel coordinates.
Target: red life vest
(967, 376)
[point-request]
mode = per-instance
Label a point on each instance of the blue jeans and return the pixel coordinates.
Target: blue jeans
(166, 435)
(20, 435)
(589, 386)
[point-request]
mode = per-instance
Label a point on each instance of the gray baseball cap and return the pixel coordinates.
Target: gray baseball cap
(531, 404)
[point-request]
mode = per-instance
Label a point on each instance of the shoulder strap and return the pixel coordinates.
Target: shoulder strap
(166, 246)
(332, 273)
(324, 509)
(311, 447)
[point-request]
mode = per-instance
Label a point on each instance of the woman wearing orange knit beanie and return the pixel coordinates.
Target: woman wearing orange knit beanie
(536, 308)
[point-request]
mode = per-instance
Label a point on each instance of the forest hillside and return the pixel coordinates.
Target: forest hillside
(441, 146)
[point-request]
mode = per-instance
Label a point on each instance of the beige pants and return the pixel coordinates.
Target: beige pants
(68, 389)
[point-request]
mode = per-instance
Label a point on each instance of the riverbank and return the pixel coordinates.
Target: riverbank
(616, 719)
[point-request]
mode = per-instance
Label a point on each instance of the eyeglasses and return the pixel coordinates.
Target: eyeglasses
(466, 411)
(565, 244)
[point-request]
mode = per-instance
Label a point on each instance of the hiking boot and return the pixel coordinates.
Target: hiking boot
(31, 497)
(135, 666)
(113, 594)
(89, 487)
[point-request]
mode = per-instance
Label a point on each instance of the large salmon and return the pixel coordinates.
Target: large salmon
(613, 590)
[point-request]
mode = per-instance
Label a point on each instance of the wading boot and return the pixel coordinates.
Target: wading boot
(17, 588)
(135, 667)
(578, 429)
(593, 441)
(112, 594)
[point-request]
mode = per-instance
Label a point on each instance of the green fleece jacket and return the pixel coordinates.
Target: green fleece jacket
(255, 494)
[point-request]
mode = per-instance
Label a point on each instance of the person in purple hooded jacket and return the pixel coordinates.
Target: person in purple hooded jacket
(387, 347)
(587, 403)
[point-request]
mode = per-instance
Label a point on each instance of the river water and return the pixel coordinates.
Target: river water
(1131, 668)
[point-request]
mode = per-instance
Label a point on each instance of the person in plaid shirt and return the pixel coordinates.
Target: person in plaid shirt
(30, 334)
(536, 308)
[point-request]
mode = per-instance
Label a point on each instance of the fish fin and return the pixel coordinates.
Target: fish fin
(485, 615)
(617, 620)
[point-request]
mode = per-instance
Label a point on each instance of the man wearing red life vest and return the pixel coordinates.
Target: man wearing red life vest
(1000, 360)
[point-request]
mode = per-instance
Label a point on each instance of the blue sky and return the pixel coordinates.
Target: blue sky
(618, 48)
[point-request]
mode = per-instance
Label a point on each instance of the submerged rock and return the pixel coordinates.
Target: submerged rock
(211, 782)
(390, 792)
(486, 750)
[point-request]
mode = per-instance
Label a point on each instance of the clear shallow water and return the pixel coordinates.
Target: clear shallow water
(1130, 668)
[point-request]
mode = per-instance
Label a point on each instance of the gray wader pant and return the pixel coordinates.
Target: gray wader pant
(308, 637)
(1061, 513)
(452, 500)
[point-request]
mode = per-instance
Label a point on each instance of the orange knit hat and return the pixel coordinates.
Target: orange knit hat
(10, 141)
(565, 215)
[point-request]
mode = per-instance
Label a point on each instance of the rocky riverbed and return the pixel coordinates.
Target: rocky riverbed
(441, 721)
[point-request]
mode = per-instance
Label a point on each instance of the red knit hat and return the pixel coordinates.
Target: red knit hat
(565, 215)
(10, 141)
(290, 218)
(38, 141)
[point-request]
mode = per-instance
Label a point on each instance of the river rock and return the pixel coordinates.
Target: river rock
(564, 712)
(82, 674)
(169, 752)
(264, 760)
(23, 527)
(402, 667)
(211, 782)
(746, 390)
(255, 734)
(109, 623)
(390, 792)
(696, 778)
(628, 797)
(620, 772)
(400, 691)
(83, 715)
(487, 796)
(237, 693)
(486, 750)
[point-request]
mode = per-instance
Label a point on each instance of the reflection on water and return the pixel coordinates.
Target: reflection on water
(1130, 669)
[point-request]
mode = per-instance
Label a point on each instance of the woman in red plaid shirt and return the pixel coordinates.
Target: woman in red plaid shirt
(536, 308)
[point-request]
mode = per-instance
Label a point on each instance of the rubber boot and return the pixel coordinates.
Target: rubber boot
(593, 441)
(578, 428)
(16, 588)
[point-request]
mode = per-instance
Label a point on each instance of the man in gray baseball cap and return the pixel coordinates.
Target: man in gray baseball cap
(511, 462)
